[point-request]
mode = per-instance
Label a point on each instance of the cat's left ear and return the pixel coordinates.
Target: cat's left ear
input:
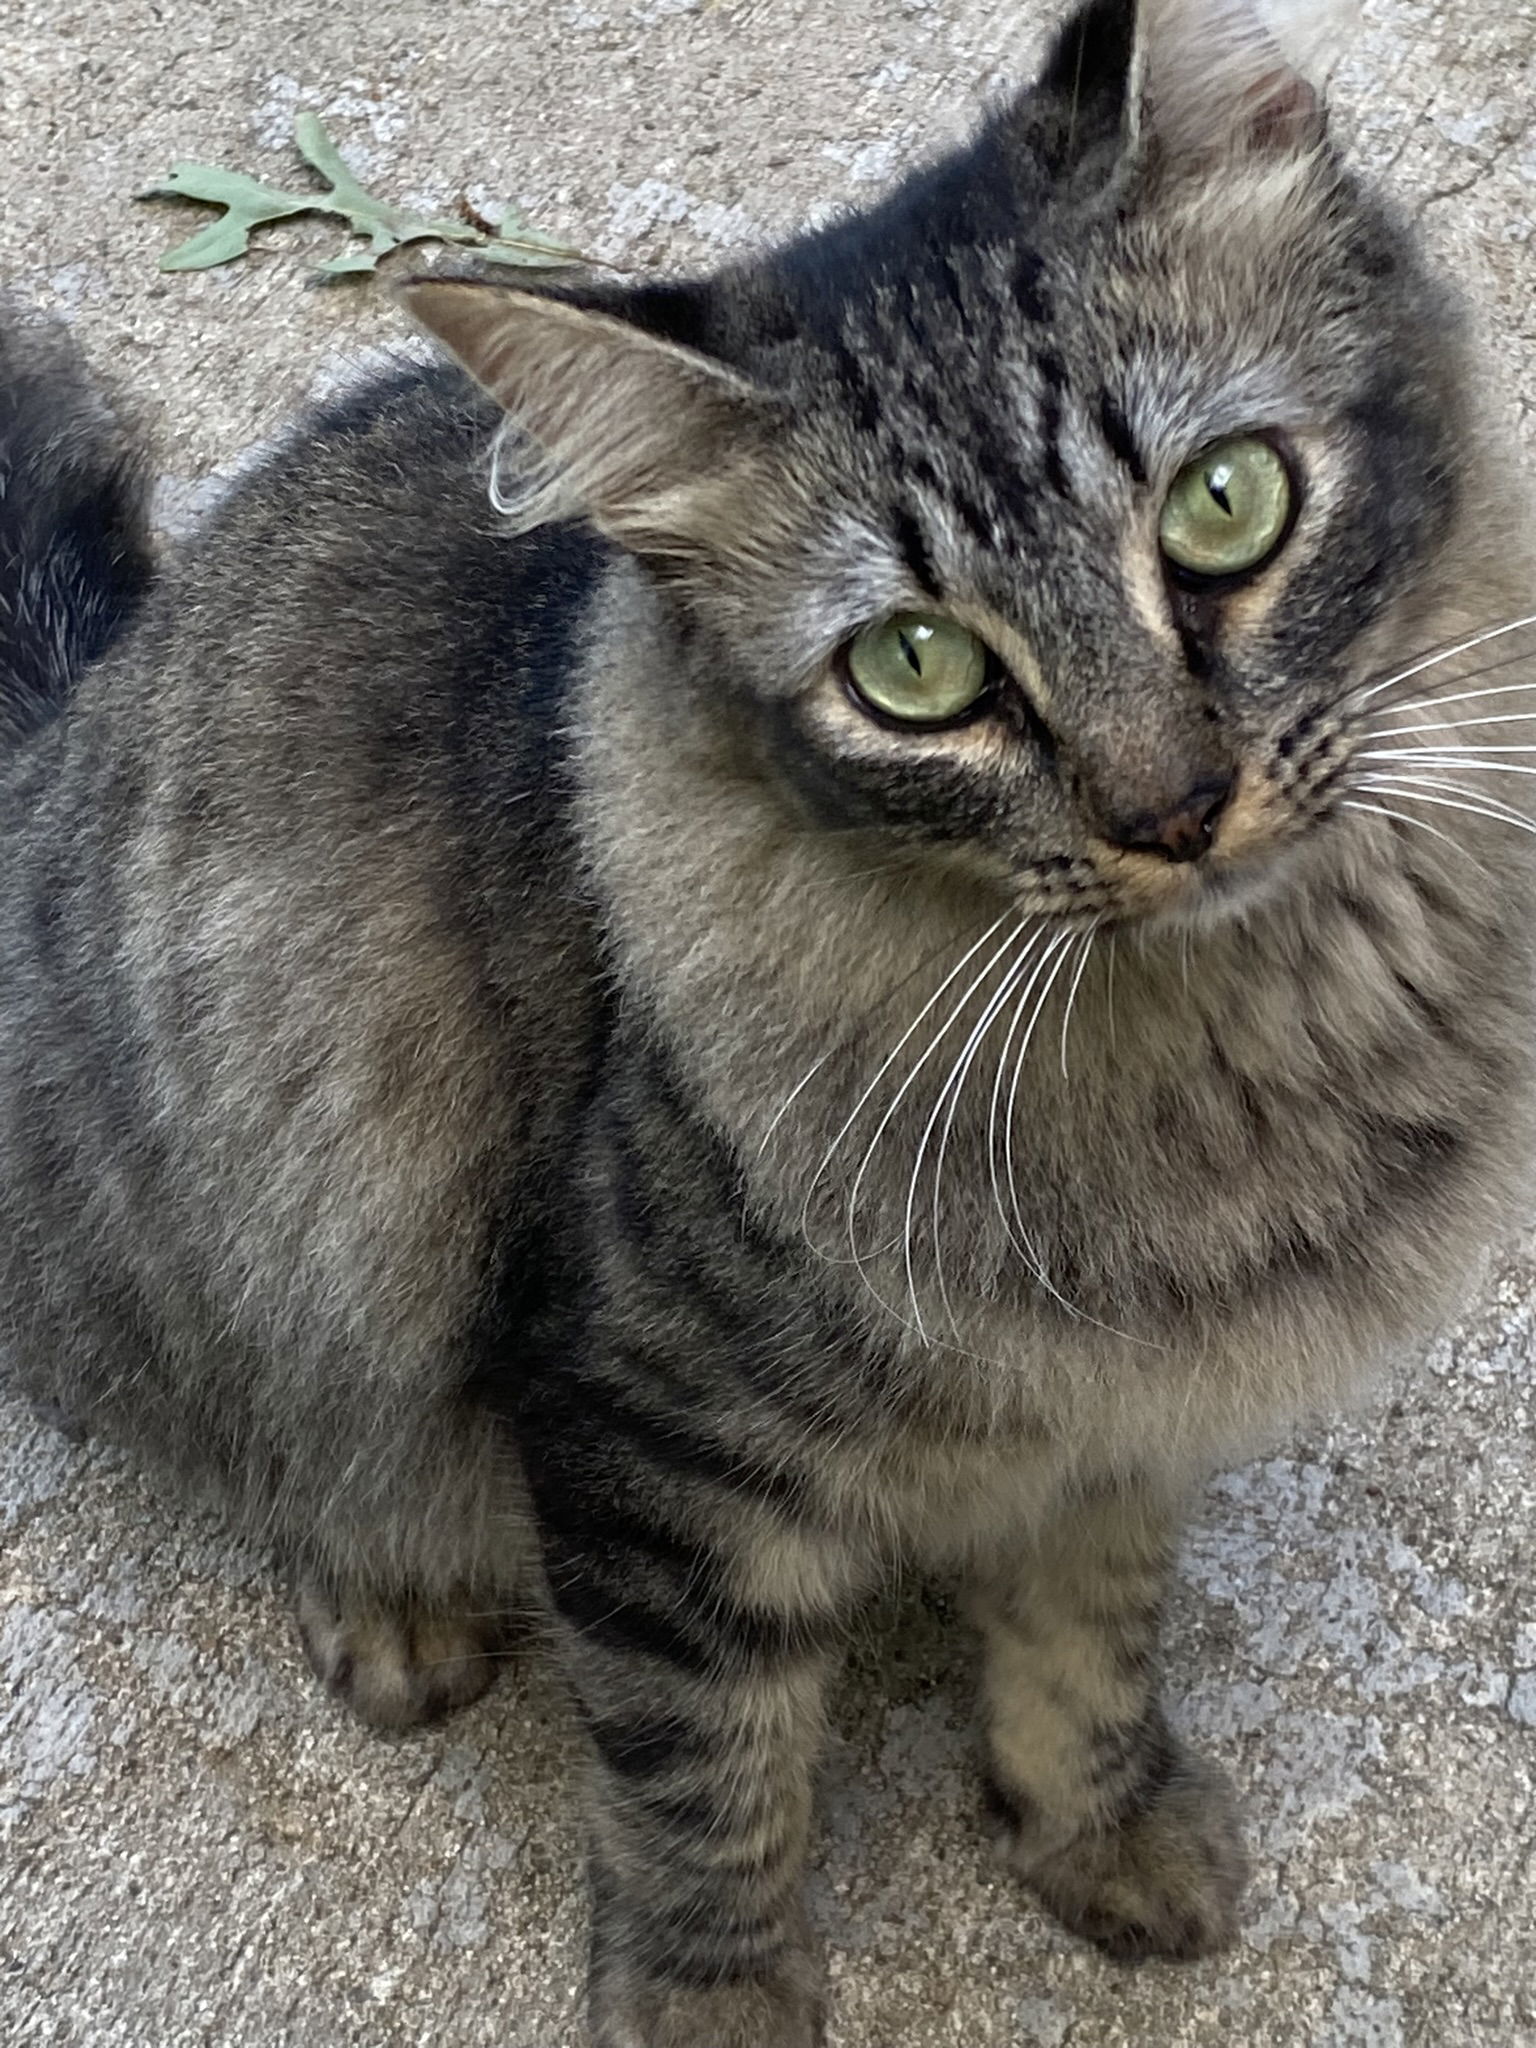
(1216, 79)
(637, 433)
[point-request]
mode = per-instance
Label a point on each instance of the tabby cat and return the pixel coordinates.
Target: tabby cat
(828, 916)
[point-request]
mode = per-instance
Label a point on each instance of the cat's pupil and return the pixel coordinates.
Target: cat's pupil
(914, 660)
(1216, 483)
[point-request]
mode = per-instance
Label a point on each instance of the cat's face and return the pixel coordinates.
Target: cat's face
(1054, 517)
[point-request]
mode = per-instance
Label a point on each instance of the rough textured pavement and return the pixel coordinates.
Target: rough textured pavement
(197, 1848)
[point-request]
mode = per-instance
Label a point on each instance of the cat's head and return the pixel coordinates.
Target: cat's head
(1055, 514)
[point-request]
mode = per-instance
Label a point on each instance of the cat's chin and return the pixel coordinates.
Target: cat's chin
(1225, 890)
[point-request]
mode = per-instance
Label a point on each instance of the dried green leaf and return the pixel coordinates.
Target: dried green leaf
(248, 204)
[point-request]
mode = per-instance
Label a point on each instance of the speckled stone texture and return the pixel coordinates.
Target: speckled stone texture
(197, 1848)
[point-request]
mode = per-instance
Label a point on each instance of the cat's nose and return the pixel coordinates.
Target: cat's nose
(1182, 832)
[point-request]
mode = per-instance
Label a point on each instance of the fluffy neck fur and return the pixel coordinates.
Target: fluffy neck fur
(1270, 1145)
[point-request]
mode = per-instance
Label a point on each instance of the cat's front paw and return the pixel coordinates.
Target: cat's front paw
(400, 1668)
(1167, 1881)
(785, 2012)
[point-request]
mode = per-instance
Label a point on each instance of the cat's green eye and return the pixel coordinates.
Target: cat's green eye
(919, 667)
(1228, 510)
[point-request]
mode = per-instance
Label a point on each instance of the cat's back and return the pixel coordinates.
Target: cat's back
(297, 981)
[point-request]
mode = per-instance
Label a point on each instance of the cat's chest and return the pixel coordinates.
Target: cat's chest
(1182, 1212)
(1178, 1105)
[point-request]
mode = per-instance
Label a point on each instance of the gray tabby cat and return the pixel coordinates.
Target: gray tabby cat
(871, 969)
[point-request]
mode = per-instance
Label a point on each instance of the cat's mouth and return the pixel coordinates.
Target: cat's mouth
(1232, 889)
(1252, 856)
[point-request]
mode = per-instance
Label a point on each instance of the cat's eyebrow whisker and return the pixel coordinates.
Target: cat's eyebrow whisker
(954, 1087)
(1430, 661)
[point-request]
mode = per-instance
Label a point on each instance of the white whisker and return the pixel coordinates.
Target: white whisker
(1471, 696)
(953, 1088)
(1020, 1243)
(1412, 732)
(916, 1025)
(1077, 980)
(1452, 757)
(934, 1042)
(1423, 779)
(1019, 1237)
(1109, 986)
(1018, 1073)
(1430, 661)
(791, 1099)
(1421, 793)
(1402, 817)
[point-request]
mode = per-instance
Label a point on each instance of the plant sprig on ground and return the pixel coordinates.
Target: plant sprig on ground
(246, 203)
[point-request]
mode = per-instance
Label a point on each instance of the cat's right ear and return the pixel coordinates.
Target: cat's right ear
(609, 421)
(1217, 80)
(1190, 84)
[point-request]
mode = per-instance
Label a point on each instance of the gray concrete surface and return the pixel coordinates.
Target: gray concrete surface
(196, 1848)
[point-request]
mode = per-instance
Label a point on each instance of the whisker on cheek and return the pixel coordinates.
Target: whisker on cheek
(1427, 793)
(906, 1038)
(1422, 824)
(1475, 724)
(1444, 654)
(1438, 703)
(1077, 982)
(857, 1259)
(1467, 759)
(1020, 1243)
(953, 1089)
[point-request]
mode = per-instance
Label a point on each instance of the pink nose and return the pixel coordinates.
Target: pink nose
(1181, 833)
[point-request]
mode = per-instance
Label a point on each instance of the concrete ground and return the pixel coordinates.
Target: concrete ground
(197, 1848)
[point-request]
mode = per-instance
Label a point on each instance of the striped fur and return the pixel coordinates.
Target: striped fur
(510, 1075)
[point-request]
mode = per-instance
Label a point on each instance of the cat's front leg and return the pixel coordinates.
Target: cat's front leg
(704, 1745)
(1127, 1836)
(699, 1665)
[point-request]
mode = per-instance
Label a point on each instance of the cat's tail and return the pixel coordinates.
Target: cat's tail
(75, 558)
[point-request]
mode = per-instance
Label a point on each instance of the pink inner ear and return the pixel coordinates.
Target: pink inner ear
(1281, 110)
